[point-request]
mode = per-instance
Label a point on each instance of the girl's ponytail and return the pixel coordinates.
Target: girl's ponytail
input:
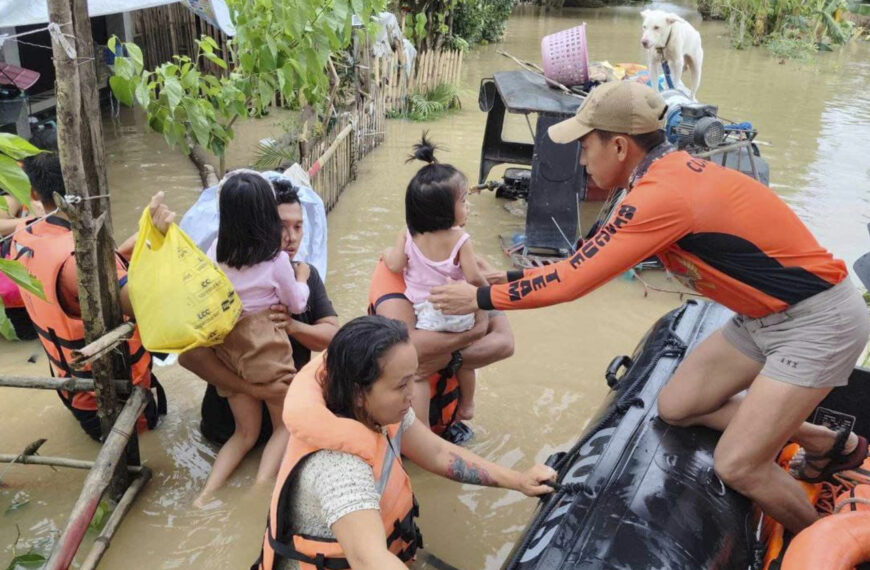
(424, 150)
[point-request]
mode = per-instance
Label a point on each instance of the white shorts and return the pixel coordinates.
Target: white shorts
(431, 319)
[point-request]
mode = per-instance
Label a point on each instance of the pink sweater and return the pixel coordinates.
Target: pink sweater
(265, 284)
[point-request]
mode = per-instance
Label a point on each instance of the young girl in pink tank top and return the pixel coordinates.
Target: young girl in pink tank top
(435, 248)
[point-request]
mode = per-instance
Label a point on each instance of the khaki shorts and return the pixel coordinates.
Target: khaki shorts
(814, 343)
(257, 351)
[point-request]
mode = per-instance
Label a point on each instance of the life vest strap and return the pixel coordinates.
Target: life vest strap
(374, 306)
(439, 402)
(407, 531)
(319, 561)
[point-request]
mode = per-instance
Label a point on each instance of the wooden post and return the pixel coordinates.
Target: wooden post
(80, 146)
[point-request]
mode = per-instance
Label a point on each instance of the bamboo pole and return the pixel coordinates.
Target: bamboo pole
(433, 70)
(459, 67)
(421, 72)
(102, 542)
(90, 352)
(327, 154)
(439, 63)
(101, 475)
(56, 462)
(82, 158)
(66, 384)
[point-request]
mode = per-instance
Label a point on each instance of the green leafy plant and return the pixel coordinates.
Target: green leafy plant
(29, 560)
(455, 23)
(482, 21)
(14, 181)
(101, 516)
(790, 45)
(784, 25)
(430, 105)
(279, 47)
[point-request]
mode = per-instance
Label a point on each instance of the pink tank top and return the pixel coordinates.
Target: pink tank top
(421, 273)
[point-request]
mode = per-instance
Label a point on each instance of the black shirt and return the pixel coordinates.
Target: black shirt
(319, 306)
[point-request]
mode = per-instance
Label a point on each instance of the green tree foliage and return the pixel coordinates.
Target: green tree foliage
(14, 181)
(790, 28)
(279, 47)
(482, 21)
(455, 23)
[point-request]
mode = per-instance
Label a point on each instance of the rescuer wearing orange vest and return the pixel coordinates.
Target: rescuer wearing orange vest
(343, 498)
(47, 251)
(800, 323)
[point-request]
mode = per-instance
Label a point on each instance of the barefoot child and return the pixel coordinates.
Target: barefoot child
(434, 248)
(248, 249)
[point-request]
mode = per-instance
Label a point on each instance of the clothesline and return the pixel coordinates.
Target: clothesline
(71, 199)
(54, 29)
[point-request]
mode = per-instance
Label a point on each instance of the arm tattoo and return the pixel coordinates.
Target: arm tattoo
(460, 470)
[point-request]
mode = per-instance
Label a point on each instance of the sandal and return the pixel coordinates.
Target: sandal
(837, 461)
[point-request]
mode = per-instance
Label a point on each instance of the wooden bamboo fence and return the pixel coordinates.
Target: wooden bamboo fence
(431, 68)
(170, 30)
(385, 89)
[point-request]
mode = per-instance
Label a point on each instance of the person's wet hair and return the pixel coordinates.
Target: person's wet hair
(285, 192)
(45, 139)
(430, 199)
(250, 229)
(46, 176)
(353, 361)
(646, 141)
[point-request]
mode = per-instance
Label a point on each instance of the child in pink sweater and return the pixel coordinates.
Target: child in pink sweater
(248, 250)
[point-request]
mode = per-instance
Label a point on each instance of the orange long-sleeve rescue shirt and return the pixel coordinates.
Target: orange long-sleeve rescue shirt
(720, 232)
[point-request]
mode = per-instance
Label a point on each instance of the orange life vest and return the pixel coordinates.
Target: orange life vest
(834, 542)
(43, 248)
(443, 389)
(312, 428)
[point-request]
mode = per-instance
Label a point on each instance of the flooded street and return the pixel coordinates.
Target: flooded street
(816, 118)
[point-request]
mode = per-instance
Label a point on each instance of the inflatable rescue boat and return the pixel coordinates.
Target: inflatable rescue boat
(636, 493)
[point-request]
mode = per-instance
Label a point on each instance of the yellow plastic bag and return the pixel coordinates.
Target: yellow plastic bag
(181, 298)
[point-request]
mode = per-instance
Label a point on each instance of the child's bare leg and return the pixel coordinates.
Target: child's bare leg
(273, 453)
(248, 417)
(466, 378)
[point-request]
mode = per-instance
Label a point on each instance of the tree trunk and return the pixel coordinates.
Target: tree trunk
(80, 146)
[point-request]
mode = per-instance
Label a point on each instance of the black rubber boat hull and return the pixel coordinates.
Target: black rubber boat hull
(639, 493)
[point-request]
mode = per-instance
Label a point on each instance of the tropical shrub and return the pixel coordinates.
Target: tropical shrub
(790, 28)
(430, 105)
(279, 47)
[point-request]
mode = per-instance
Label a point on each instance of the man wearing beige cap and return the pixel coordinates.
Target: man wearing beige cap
(732, 239)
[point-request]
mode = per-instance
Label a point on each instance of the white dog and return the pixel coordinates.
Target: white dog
(670, 38)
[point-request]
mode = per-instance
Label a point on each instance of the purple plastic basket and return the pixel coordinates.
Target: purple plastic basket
(564, 56)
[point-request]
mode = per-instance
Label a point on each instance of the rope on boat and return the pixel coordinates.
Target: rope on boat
(850, 501)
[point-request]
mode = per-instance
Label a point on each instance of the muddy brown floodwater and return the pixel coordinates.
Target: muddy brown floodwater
(816, 117)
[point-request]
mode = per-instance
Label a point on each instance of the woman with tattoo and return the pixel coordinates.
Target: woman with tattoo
(342, 495)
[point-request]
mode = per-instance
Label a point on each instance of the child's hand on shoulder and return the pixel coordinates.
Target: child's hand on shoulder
(303, 271)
